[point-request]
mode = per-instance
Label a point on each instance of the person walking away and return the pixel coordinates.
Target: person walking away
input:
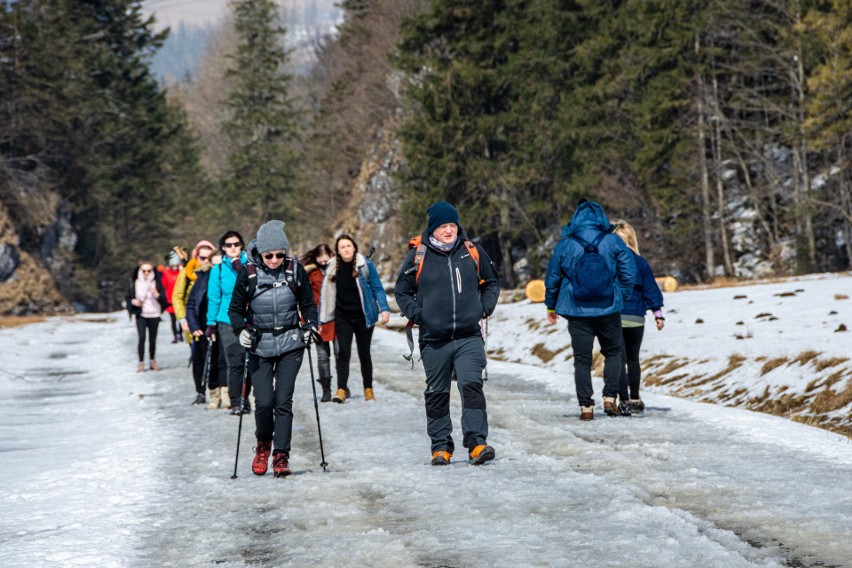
(315, 262)
(146, 299)
(219, 290)
(445, 290)
(354, 299)
(270, 293)
(201, 260)
(196, 316)
(645, 296)
(588, 275)
(169, 276)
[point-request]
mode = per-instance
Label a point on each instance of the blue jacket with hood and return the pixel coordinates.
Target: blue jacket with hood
(223, 277)
(588, 222)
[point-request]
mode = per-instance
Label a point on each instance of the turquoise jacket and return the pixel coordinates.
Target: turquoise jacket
(220, 287)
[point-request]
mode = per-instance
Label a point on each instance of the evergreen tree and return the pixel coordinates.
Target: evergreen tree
(262, 124)
(92, 115)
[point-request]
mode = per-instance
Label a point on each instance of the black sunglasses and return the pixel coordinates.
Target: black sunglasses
(270, 256)
(231, 245)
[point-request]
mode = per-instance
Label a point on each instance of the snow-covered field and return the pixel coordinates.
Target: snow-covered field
(101, 466)
(778, 347)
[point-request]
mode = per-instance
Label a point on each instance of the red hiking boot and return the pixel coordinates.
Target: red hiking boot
(281, 465)
(261, 457)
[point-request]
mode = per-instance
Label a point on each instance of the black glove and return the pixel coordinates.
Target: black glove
(210, 332)
(310, 334)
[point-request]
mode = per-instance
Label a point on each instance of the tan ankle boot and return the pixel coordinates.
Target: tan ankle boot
(224, 399)
(214, 399)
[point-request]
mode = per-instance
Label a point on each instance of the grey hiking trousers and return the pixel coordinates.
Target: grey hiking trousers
(467, 358)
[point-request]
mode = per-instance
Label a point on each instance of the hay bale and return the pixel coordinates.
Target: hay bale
(667, 283)
(535, 290)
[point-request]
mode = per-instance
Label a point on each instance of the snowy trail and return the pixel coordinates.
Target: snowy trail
(104, 467)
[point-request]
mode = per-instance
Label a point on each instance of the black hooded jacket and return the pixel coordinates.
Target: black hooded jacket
(448, 302)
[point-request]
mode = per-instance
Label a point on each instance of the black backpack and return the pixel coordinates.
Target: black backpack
(593, 279)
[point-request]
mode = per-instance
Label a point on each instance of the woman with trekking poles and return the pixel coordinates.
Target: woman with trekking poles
(271, 294)
(354, 299)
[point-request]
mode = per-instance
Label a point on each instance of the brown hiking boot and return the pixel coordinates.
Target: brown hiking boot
(369, 395)
(339, 396)
(154, 365)
(587, 413)
(610, 408)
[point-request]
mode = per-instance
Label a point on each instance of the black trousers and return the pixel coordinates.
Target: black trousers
(199, 357)
(274, 380)
(583, 332)
(150, 326)
(631, 370)
(345, 327)
(175, 326)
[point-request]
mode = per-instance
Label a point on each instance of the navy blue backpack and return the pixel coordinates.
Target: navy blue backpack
(592, 280)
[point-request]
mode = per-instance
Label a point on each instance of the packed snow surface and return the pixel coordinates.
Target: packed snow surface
(101, 466)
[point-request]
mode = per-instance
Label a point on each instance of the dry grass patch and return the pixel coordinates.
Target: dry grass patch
(498, 355)
(822, 364)
(672, 366)
(735, 361)
(841, 297)
(545, 354)
(829, 401)
(772, 364)
(835, 376)
(15, 321)
(806, 357)
(533, 323)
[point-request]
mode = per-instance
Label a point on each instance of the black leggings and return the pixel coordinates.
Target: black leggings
(175, 326)
(345, 327)
(151, 324)
(631, 371)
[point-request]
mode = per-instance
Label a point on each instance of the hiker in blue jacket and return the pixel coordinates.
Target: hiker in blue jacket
(645, 296)
(220, 287)
(591, 298)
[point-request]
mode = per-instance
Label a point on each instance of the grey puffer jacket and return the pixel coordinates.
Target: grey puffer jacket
(271, 302)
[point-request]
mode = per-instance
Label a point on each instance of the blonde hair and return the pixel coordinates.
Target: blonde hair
(624, 230)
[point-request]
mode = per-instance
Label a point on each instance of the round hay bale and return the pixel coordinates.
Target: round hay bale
(535, 290)
(667, 283)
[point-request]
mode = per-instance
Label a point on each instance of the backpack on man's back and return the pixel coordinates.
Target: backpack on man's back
(593, 279)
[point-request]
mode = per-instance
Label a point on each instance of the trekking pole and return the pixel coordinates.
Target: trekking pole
(242, 401)
(316, 406)
(206, 374)
(486, 349)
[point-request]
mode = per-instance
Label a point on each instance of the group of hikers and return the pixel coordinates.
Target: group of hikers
(249, 312)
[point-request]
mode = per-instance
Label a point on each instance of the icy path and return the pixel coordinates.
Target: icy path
(103, 467)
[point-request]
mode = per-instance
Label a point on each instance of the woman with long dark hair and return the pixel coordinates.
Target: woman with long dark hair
(354, 299)
(315, 262)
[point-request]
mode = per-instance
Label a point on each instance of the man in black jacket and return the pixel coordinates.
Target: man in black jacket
(446, 286)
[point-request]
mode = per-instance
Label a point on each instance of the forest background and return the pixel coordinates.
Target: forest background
(721, 129)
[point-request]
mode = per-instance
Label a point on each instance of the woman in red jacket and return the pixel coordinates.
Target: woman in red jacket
(315, 262)
(169, 276)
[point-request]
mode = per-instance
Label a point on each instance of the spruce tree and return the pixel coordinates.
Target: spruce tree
(262, 123)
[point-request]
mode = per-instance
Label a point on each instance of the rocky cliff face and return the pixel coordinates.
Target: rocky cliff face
(36, 252)
(373, 213)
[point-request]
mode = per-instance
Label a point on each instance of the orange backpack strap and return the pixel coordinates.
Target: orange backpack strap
(474, 254)
(418, 261)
